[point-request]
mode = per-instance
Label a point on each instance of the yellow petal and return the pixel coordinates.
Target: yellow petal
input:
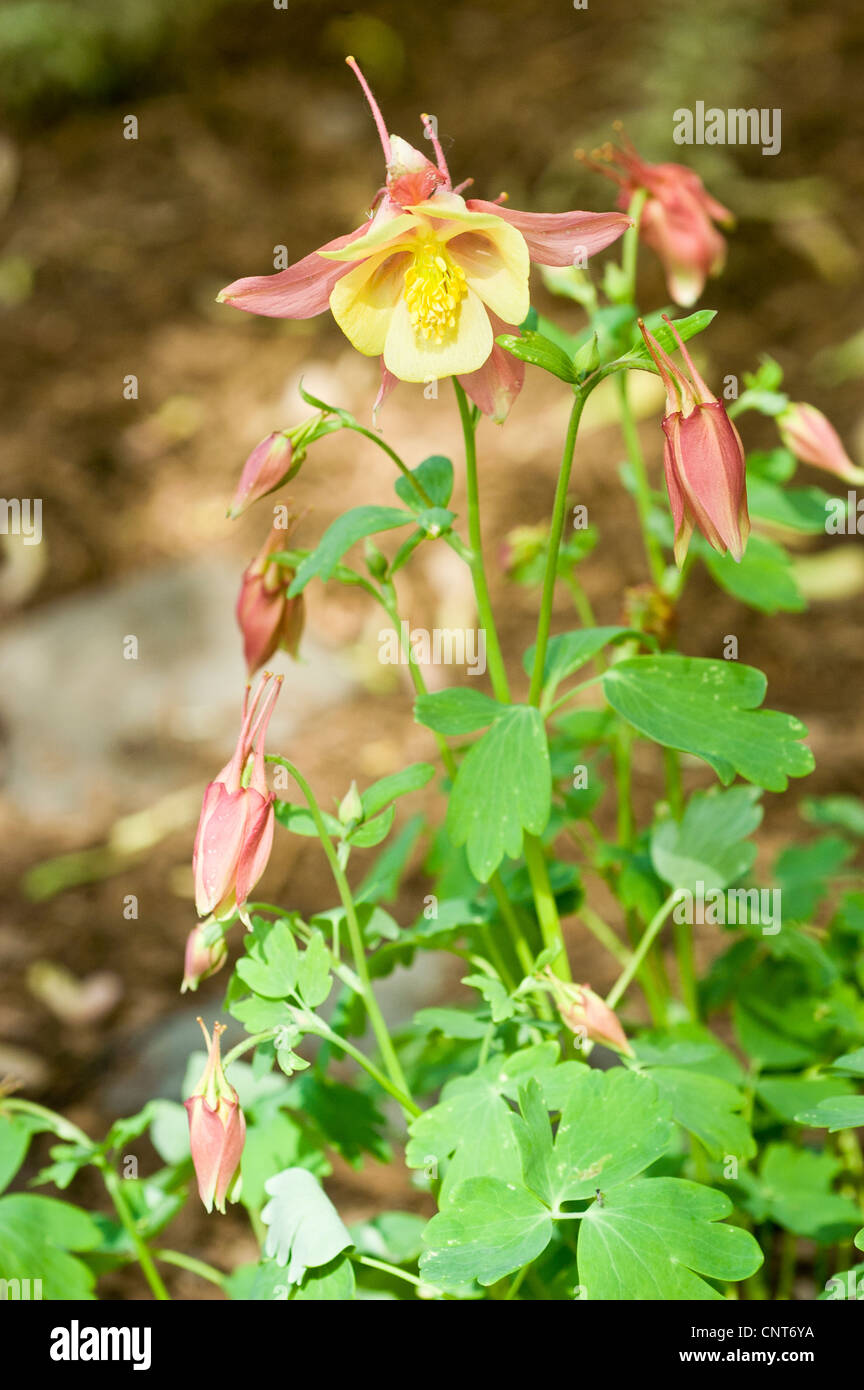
(382, 232)
(414, 358)
(496, 265)
(363, 301)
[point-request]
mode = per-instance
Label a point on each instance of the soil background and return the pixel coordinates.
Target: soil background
(252, 134)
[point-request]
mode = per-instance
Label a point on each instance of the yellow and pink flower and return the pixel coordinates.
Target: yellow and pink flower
(431, 280)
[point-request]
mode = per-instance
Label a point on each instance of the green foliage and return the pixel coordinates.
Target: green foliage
(710, 708)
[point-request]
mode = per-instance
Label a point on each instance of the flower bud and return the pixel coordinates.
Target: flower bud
(703, 458)
(677, 218)
(585, 1013)
(811, 437)
(235, 830)
(351, 807)
(267, 617)
(202, 960)
(217, 1129)
(271, 463)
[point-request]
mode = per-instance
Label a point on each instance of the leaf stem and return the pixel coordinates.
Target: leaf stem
(204, 1271)
(142, 1251)
(396, 1272)
(651, 931)
(559, 512)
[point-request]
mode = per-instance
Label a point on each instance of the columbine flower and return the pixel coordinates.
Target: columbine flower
(811, 437)
(431, 280)
(267, 617)
(677, 219)
(217, 1129)
(202, 960)
(235, 831)
(703, 458)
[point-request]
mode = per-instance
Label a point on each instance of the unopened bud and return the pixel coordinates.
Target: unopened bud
(351, 807)
(202, 960)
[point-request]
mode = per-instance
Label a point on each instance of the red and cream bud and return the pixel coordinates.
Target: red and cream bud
(270, 464)
(267, 617)
(811, 437)
(217, 1130)
(703, 458)
(587, 1015)
(202, 960)
(235, 831)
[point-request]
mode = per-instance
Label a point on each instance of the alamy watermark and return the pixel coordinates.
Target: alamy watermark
(443, 646)
(21, 516)
(736, 126)
(844, 518)
(734, 907)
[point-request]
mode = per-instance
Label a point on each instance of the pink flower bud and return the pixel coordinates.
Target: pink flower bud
(267, 617)
(217, 1130)
(703, 458)
(811, 437)
(267, 467)
(584, 1012)
(202, 960)
(235, 830)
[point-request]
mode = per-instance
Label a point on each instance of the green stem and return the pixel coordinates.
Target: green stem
(546, 907)
(142, 1252)
(651, 931)
(399, 462)
(497, 669)
(396, 1272)
(622, 751)
(204, 1271)
(559, 512)
(388, 601)
(683, 937)
(581, 601)
(788, 1266)
(59, 1125)
(376, 1018)
(604, 934)
(544, 898)
(674, 787)
(516, 1283)
(336, 1040)
(653, 551)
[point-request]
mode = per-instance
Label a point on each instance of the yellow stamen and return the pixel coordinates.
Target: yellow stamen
(434, 288)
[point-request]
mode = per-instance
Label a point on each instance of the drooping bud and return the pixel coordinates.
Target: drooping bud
(267, 617)
(202, 958)
(677, 219)
(703, 458)
(235, 830)
(217, 1129)
(811, 437)
(271, 463)
(587, 1015)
